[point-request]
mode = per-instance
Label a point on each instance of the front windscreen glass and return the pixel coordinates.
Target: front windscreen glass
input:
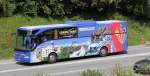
(23, 40)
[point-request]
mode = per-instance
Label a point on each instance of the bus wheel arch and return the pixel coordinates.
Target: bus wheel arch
(103, 51)
(52, 57)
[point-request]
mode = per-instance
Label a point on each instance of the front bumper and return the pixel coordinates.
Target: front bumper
(22, 57)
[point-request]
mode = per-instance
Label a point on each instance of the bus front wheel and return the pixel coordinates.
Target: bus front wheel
(52, 58)
(103, 52)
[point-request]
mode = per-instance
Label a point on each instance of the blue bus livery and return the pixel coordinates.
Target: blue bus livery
(69, 40)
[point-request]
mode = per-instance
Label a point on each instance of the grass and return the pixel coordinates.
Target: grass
(118, 70)
(137, 31)
(91, 73)
(8, 26)
(41, 74)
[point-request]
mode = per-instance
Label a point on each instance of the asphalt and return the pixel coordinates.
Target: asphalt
(76, 66)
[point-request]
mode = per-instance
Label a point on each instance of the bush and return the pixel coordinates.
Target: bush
(41, 74)
(91, 73)
(122, 71)
(118, 70)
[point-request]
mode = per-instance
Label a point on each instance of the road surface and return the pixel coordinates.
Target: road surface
(75, 67)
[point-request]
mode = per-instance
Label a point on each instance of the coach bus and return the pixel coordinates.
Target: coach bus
(70, 40)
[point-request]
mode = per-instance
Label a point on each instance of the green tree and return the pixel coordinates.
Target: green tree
(26, 7)
(8, 7)
(50, 7)
(136, 8)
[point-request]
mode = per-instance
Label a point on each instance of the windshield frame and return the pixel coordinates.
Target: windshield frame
(22, 47)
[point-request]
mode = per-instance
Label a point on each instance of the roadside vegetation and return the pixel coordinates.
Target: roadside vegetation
(120, 70)
(41, 74)
(91, 73)
(117, 70)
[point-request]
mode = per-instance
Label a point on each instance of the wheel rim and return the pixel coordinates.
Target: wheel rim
(52, 58)
(103, 52)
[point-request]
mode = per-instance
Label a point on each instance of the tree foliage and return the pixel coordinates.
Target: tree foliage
(46, 8)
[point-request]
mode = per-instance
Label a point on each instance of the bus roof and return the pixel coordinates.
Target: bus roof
(45, 26)
(81, 23)
(109, 21)
(68, 24)
(52, 26)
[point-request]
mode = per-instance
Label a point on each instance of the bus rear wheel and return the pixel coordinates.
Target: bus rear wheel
(103, 52)
(52, 58)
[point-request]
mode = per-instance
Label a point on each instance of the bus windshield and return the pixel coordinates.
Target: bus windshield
(23, 40)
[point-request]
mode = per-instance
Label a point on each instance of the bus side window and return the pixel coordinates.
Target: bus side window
(70, 32)
(50, 34)
(46, 35)
(56, 34)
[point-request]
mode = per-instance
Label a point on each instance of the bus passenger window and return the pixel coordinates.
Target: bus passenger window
(46, 35)
(67, 32)
(44, 38)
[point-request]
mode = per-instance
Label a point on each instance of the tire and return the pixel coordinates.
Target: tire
(52, 58)
(124, 52)
(103, 52)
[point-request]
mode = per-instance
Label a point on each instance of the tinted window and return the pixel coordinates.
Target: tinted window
(46, 35)
(49, 34)
(67, 32)
(34, 32)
